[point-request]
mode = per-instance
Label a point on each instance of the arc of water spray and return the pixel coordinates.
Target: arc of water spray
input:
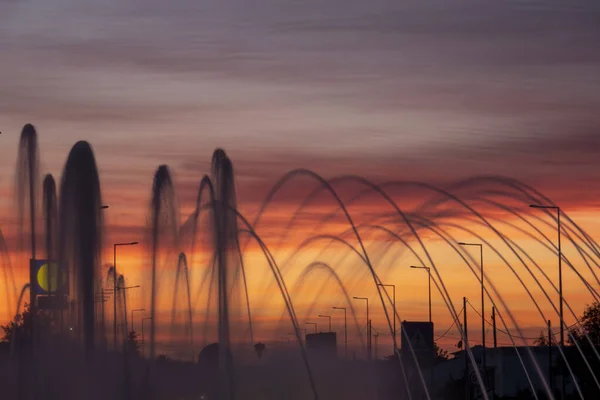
(489, 283)
(532, 298)
(206, 184)
(447, 300)
(289, 307)
(182, 264)
(377, 282)
(162, 186)
(319, 265)
(391, 202)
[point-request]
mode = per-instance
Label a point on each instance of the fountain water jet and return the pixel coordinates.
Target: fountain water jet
(80, 233)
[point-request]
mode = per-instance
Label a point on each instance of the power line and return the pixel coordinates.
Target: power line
(436, 339)
(451, 326)
(510, 334)
(477, 341)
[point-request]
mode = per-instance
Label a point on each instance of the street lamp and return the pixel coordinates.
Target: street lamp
(345, 331)
(143, 341)
(312, 323)
(326, 316)
(132, 311)
(393, 305)
(126, 288)
(429, 274)
(560, 287)
(115, 289)
(482, 300)
(368, 327)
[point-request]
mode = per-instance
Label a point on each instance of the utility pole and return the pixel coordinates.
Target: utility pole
(550, 355)
(482, 300)
(465, 344)
(494, 325)
(376, 345)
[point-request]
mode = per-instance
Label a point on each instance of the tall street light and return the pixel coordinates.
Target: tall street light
(326, 316)
(345, 331)
(560, 287)
(482, 300)
(393, 305)
(429, 275)
(368, 327)
(312, 323)
(132, 311)
(115, 275)
(143, 340)
(127, 288)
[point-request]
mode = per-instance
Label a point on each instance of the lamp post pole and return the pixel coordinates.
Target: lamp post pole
(125, 302)
(560, 285)
(115, 289)
(429, 276)
(368, 326)
(326, 316)
(132, 311)
(482, 300)
(345, 331)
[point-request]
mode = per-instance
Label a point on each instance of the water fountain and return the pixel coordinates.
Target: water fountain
(199, 270)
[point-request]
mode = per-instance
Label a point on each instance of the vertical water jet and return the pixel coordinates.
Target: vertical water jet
(163, 216)
(225, 234)
(80, 233)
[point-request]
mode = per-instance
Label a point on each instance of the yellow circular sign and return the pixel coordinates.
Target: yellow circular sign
(48, 277)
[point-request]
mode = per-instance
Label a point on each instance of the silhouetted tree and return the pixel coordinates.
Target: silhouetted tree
(541, 341)
(590, 321)
(259, 348)
(440, 354)
(21, 326)
(132, 346)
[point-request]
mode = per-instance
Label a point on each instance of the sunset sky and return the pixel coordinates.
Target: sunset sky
(428, 90)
